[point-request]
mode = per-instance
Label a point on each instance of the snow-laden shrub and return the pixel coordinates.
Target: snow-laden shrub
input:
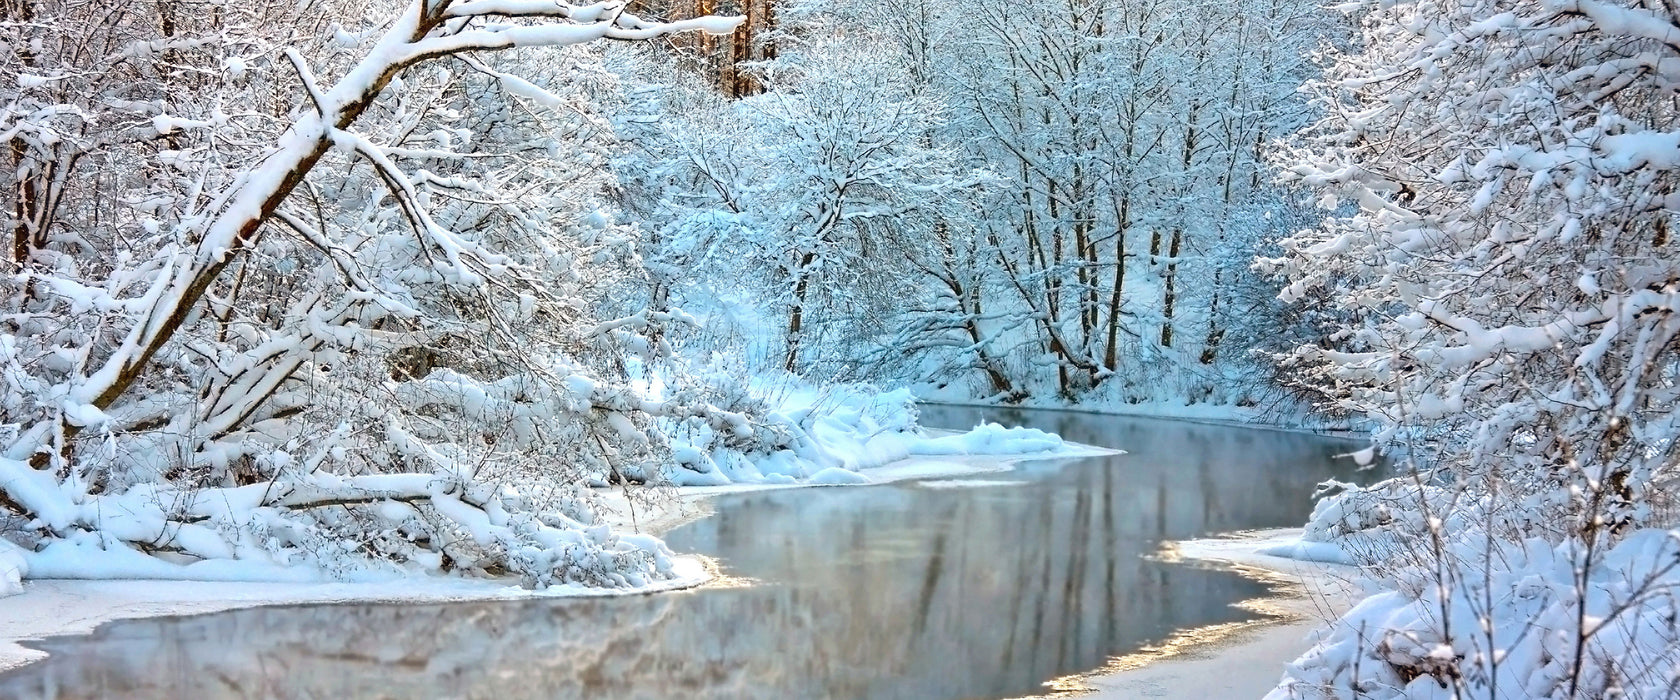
(283, 291)
(13, 567)
(1499, 260)
(1482, 599)
(1503, 264)
(1352, 524)
(1515, 619)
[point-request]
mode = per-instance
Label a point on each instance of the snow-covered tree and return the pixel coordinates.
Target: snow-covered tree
(1132, 137)
(1507, 268)
(854, 189)
(315, 283)
(1503, 260)
(1125, 188)
(826, 186)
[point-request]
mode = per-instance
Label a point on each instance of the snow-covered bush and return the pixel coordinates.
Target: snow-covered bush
(1539, 624)
(1507, 272)
(284, 289)
(798, 430)
(1500, 175)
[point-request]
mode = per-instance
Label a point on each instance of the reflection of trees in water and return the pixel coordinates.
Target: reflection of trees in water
(888, 592)
(963, 594)
(1204, 478)
(479, 650)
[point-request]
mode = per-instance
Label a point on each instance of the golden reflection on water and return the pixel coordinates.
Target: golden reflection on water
(720, 579)
(1279, 586)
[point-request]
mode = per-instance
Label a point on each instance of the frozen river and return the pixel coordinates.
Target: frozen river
(980, 588)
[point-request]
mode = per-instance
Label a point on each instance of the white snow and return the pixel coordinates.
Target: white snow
(835, 476)
(841, 429)
(1511, 625)
(1327, 552)
(988, 438)
(923, 469)
(1509, 613)
(13, 568)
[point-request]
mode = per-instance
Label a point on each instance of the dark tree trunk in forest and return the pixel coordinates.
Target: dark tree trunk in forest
(1168, 294)
(1210, 347)
(796, 312)
(752, 41)
(1111, 352)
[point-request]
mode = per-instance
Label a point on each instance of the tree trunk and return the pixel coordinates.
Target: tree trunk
(1111, 352)
(1210, 347)
(796, 312)
(1168, 295)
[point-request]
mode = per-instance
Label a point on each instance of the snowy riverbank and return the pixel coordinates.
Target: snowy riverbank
(1255, 418)
(1234, 660)
(55, 607)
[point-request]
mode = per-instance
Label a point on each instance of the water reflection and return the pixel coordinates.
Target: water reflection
(888, 592)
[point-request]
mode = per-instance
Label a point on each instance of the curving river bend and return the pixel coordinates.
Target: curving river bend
(914, 590)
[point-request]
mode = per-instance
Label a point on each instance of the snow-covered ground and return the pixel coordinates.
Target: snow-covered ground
(54, 607)
(1471, 598)
(1384, 628)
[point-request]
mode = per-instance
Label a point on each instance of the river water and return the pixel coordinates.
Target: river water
(976, 588)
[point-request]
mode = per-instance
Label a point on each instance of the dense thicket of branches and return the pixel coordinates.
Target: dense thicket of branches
(317, 281)
(1505, 271)
(1054, 199)
(1508, 275)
